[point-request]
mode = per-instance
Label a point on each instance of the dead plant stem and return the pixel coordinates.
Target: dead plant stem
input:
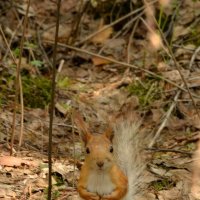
(123, 64)
(165, 120)
(18, 73)
(193, 57)
(131, 41)
(114, 23)
(179, 69)
(52, 107)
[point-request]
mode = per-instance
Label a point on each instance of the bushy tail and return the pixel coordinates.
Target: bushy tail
(128, 142)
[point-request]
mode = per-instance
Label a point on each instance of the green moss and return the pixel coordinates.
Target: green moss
(147, 91)
(163, 184)
(194, 36)
(36, 91)
(63, 82)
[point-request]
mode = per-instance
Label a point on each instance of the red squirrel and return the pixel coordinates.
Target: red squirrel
(112, 166)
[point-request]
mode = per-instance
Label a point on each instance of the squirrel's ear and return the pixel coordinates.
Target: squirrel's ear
(82, 126)
(109, 133)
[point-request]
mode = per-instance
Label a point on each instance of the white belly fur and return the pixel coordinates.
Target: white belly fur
(100, 183)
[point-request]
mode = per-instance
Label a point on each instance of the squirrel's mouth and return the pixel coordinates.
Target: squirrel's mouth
(100, 169)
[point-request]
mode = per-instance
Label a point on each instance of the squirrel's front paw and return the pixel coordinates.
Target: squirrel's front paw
(94, 197)
(107, 197)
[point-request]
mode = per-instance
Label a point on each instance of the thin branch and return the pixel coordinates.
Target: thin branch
(52, 107)
(122, 64)
(170, 150)
(179, 91)
(178, 68)
(131, 41)
(11, 39)
(193, 57)
(18, 73)
(43, 50)
(113, 23)
(167, 115)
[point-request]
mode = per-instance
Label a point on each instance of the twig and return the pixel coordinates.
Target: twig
(16, 94)
(169, 150)
(60, 68)
(113, 23)
(74, 32)
(19, 76)
(128, 24)
(131, 40)
(193, 57)
(178, 93)
(179, 70)
(43, 51)
(74, 149)
(52, 107)
(183, 47)
(167, 115)
(119, 32)
(11, 39)
(123, 64)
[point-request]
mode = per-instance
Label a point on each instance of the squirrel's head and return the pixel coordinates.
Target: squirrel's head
(99, 152)
(98, 147)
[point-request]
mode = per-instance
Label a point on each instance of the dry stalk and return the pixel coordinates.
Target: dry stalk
(52, 106)
(11, 40)
(114, 23)
(123, 64)
(179, 69)
(19, 76)
(60, 69)
(178, 92)
(170, 53)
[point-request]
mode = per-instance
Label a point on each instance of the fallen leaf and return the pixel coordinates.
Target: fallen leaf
(12, 161)
(180, 31)
(157, 114)
(62, 108)
(174, 75)
(195, 189)
(100, 61)
(101, 37)
(172, 194)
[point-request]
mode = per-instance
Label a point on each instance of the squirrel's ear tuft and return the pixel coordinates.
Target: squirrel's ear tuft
(82, 126)
(109, 133)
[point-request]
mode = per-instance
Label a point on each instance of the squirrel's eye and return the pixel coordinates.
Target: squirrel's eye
(87, 150)
(111, 149)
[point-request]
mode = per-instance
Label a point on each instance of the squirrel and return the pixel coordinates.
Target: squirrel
(112, 167)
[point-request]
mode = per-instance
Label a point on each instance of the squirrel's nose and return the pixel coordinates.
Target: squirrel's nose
(100, 164)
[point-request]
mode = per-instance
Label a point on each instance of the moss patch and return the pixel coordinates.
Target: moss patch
(147, 91)
(163, 184)
(36, 91)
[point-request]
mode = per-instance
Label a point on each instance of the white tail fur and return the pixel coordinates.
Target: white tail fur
(127, 143)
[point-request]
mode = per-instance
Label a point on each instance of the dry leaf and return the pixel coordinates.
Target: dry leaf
(194, 121)
(162, 66)
(195, 190)
(100, 61)
(12, 161)
(172, 194)
(174, 74)
(101, 37)
(157, 115)
(180, 31)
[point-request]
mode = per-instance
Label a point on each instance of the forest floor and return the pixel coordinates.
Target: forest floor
(129, 70)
